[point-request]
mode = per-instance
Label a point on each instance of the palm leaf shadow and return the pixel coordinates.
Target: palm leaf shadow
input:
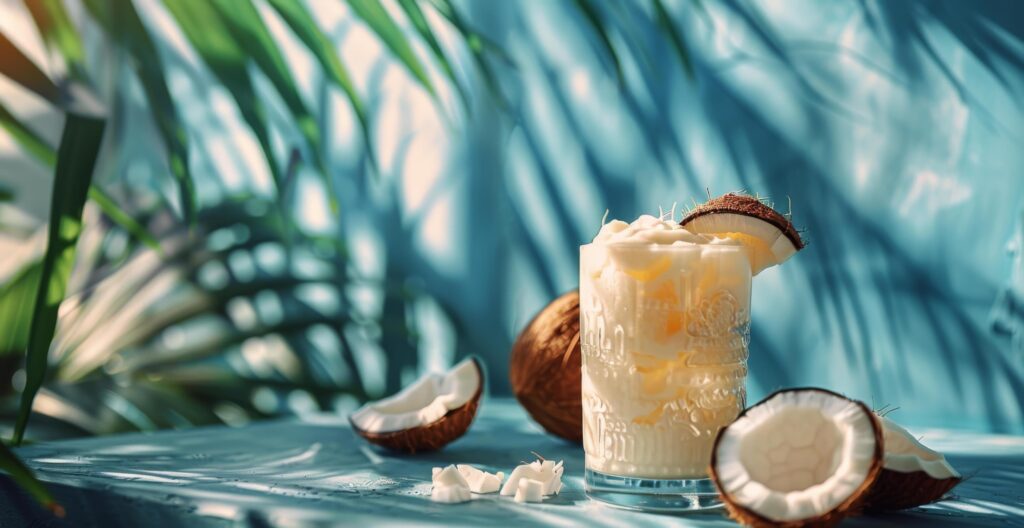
(852, 233)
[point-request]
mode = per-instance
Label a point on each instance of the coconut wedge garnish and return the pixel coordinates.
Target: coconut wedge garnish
(912, 475)
(427, 415)
(800, 457)
(767, 234)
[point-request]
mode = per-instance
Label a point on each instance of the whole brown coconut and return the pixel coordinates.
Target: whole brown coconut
(546, 368)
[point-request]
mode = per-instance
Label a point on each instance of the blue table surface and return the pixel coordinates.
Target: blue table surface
(313, 471)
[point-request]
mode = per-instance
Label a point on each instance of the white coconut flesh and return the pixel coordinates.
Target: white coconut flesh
(905, 454)
(774, 239)
(449, 485)
(547, 472)
(426, 401)
(798, 455)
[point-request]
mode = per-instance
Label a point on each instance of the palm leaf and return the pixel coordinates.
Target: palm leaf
(25, 478)
(307, 31)
(477, 44)
(59, 33)
(16, 66)
(305, 28)
(76, 157)
(124, 25)
(17, 299)
(209, 35)
(375, 16)
(248, 29)
(42, 151)
(419, 21)
(26, 137)
(122, 218)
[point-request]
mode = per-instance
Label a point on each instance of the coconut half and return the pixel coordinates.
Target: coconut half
(427, 415)
(545, 368)
(800, 457)
(768, 235)
(912, 475)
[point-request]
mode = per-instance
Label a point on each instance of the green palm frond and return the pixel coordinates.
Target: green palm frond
(76, 157)
(24, 477)
(419, 21)
(374, 14)
(116, 327)
(60, 34)
(34, 144)
(307, 31)
(17, 67)
(116, 323)
(27, 138)
(228, 61)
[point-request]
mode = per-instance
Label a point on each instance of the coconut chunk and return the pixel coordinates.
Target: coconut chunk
(801, 456)
(547, 472)
(529, 490)
(912, 474)
(448, 485)
(427, 415)
(905, 454)
(450, 494)
(481, 481)
(449, 476)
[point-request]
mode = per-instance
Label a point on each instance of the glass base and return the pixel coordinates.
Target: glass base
(650, 494)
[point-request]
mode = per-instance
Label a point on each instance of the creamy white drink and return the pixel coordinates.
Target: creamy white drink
(664, 320)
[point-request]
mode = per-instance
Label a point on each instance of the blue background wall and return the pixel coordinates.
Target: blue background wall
(894, 130)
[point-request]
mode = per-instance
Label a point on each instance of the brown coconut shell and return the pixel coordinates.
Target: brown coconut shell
(852, 506)
(898, 491)
(742, 204)
(432, 436)
(545, 368)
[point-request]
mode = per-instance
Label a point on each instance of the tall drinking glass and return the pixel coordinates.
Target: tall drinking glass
(664, 332)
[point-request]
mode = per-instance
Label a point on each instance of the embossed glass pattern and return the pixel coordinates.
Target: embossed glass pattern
(664, 332)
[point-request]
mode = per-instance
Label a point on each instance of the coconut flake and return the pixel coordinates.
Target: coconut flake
(529, 490)
(449, 485)
(449, 476)
(481, 481)
(547, 472)
(450, 494)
